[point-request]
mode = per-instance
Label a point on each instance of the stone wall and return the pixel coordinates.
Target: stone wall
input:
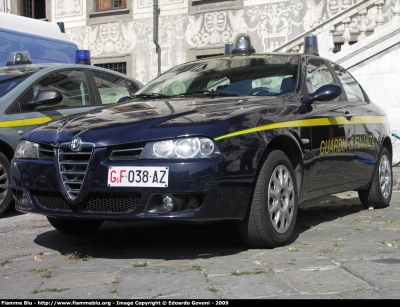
(187, 29)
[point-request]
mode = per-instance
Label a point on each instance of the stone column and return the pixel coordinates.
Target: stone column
(331, 44)
(363, 25)
(346, 34)
(396, 11)
(379, 15)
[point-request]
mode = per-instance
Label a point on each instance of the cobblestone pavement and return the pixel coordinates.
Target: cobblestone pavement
(339, 251)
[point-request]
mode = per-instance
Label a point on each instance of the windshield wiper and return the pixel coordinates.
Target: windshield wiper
(209, 93)
(151, 95)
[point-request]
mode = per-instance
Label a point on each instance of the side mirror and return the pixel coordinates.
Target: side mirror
(123, 99)
(325, 93)
(46, 97)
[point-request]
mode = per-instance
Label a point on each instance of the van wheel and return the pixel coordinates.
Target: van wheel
(74, 226)
(379, 193)
(271, 218)
(5, 189)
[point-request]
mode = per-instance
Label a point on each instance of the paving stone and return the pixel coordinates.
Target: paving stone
(153, 282)
(378, 273)
(19, 286)
(251, 286)
(322, 281)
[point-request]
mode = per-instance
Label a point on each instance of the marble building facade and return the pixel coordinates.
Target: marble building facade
(187, 29)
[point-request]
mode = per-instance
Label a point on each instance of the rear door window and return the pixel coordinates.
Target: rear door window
(350, 85)
(112, 88)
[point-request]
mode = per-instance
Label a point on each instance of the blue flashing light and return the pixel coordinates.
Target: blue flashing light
(242, 45)
(228, 48)
(83, 57)
(19, 58)
(61, 26)
(311, 45)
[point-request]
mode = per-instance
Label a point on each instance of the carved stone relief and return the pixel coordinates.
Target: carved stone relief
(337, 6)
(214, 28)
(112, 38)
(79, 36)
(273, 23)
(67, 8)
(149, 3)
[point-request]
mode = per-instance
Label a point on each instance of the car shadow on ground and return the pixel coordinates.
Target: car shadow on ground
(149, 240)
(172, 240)
(11, 212)
(325, 209)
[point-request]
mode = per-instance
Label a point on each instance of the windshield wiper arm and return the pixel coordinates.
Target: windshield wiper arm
(210, 93)
(151, 95)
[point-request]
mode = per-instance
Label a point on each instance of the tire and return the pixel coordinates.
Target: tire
(272, 215)
(6, 197)
(379, 193)
(74, 226)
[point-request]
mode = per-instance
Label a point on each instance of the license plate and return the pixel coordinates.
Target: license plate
(136, 176)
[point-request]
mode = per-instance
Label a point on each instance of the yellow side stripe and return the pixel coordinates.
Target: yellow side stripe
(371, 120)
(315, 122)
(28, 121)
(289, 124)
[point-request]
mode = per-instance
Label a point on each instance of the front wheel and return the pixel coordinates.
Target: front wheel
(379, 193)
(272, 215)
(5, 189)
(74, 226)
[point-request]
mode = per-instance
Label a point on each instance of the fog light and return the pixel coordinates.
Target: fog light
(168, 203)
(23, 200)
(193, 204)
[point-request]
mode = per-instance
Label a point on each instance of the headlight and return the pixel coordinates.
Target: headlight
(27, 150)
(187, 148)
(183, 148)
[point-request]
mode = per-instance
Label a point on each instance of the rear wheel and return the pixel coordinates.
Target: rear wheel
(74, 226)
(272, 215)
(5, 190)
(379, 193)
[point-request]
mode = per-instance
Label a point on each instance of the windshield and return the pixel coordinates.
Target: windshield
(245, 75)
(10, 77)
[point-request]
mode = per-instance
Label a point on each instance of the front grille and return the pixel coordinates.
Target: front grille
(127, 151)
(109, 203)
(95, 203)
(46, 152)
(52, 201)
(73, 166)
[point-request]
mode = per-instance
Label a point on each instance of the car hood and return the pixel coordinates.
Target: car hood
(155, 119)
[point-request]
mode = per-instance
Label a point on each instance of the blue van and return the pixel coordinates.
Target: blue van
(45, 41)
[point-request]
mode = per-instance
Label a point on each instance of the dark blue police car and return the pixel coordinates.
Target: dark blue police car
(244, 136)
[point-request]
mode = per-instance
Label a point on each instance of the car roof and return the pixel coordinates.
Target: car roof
(54, 66)
(253, 55)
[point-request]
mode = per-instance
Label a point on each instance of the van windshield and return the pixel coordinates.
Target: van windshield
(10, 77)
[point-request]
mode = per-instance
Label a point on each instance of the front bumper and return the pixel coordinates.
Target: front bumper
(203, 190)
